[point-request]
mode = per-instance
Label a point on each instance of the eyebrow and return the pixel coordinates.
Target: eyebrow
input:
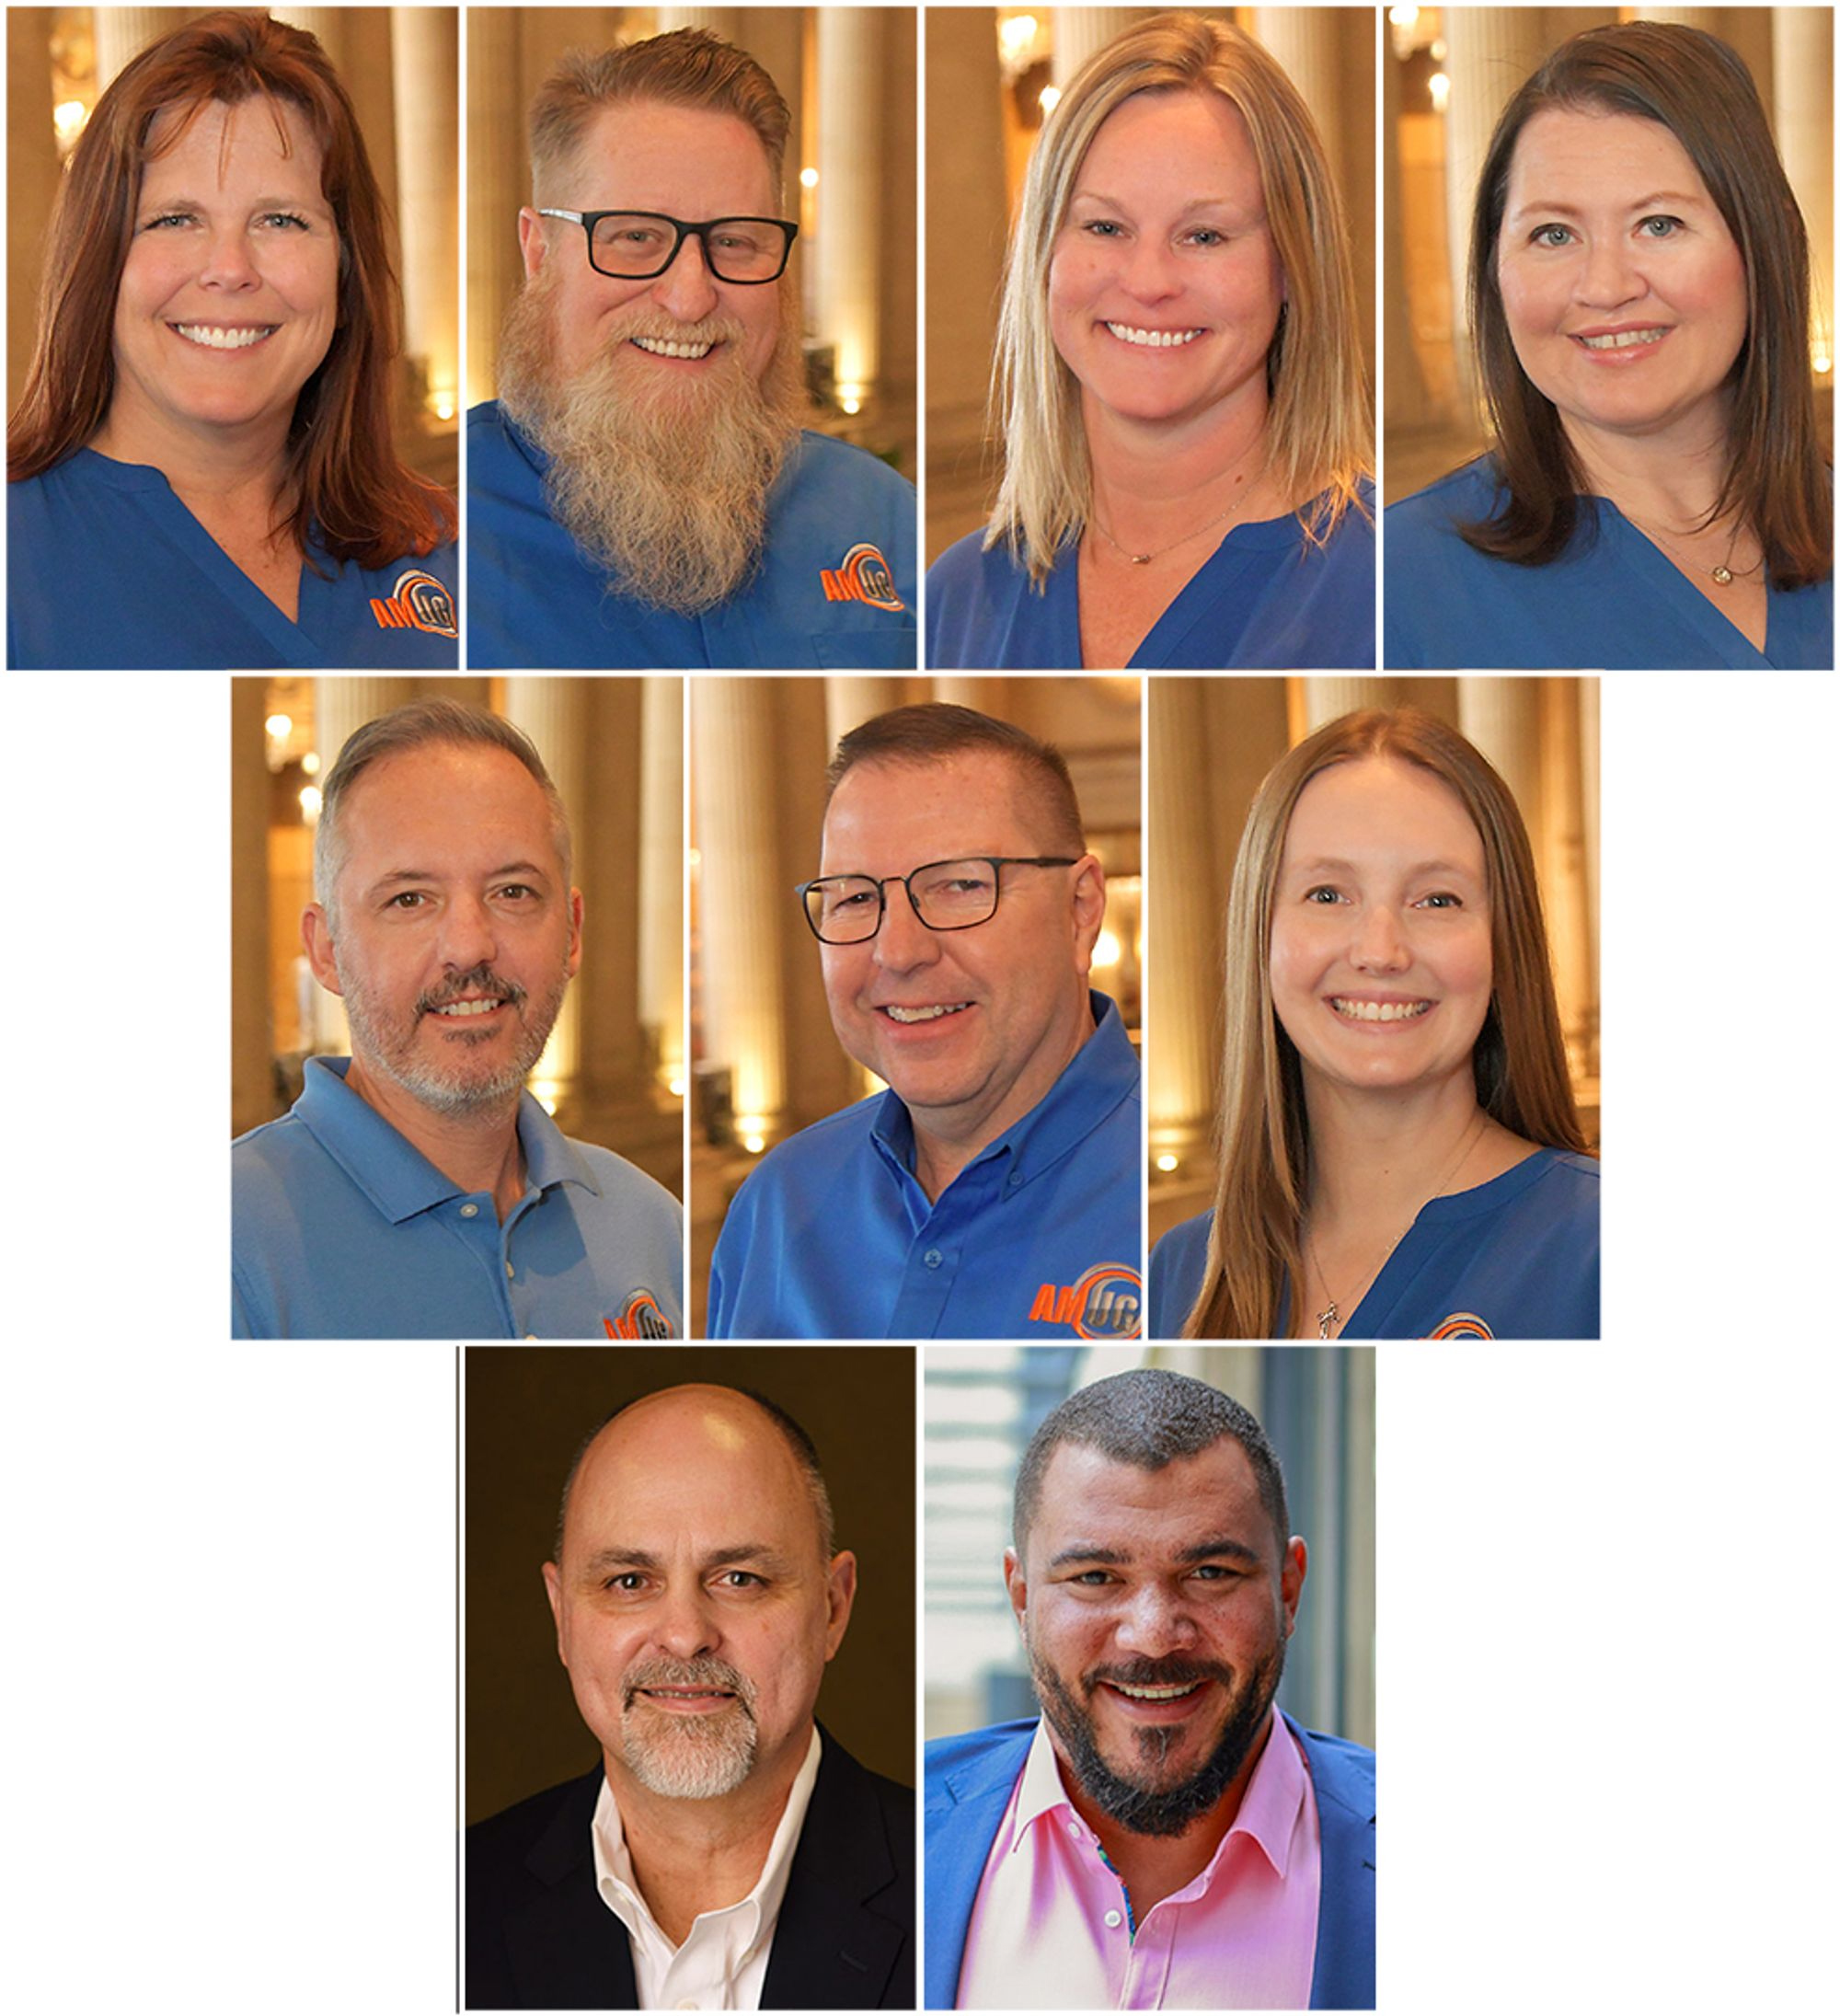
(1677, 196)
(529, 869)
(1112, 1557)
(1195, 202)
(1322, 864)
(608, 1559)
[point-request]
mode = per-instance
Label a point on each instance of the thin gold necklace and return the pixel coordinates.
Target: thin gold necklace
(1723, 575)
(1326, 1319)
(1143, 560)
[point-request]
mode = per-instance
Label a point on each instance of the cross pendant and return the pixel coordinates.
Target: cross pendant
(1324, 1319)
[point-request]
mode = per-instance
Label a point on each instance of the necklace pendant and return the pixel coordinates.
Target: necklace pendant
(1324, 1319)
(1142, 559)
(1722, 575)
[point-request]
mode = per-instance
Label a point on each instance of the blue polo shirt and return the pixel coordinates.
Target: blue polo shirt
(340, 1228)
(107, 568)
(1039, 1238)
(835, 590)
(1515, 1257)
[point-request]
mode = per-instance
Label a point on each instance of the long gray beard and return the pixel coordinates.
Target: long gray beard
(667, 493)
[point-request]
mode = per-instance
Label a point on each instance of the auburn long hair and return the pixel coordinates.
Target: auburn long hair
(1254, 1251)
(344, 492)
(1698, 88)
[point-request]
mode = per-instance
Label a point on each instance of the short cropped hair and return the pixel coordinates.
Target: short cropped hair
(421, 724)
(1695, 88)
(804, 1452)
(690, 66)
(936, 731)
(1148, 1419)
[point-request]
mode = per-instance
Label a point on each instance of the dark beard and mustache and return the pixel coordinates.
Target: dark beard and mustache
(1142, 1803)
(665, 486)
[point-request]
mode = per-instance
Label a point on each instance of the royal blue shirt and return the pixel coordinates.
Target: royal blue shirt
(105, 569)
(1267, 598)
(339, 1229)
(1039, 1238)
(834, 591)
(1611, 601)
(1516, 1257)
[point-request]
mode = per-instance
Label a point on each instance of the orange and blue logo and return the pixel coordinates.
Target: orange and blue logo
(419, 602)
(1104, 1303)
(864, 576)
(641, 1321)
(1464, 1325)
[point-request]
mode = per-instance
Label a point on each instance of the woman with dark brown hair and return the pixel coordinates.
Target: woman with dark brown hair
(1639, 290)
(1400, 1153)
(201, 468)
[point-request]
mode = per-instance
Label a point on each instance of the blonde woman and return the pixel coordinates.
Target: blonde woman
(1401, 1155)
(1186, 423)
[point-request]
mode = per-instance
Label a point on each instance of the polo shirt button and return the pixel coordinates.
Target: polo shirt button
(510, 1272)
(933, 1256)
(1074, 1828)
(469, 1211)
(1114, 1919)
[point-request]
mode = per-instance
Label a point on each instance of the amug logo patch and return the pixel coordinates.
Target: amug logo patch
(1106, 1302)
(641, 1322)
(419, 602)
(864, 576)
(1463, 1325)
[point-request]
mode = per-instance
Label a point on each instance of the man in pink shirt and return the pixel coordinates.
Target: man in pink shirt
(1162, 1838)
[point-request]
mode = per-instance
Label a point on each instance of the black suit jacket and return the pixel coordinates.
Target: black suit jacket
(539, 1937)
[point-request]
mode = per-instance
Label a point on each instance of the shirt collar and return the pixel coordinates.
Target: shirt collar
(395, 1175)
(1268, 1814)
(743, 1924)
(1103, 1071)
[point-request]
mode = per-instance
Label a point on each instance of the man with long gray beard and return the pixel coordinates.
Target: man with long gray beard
(641, 493)
(1162, 1838)
(724, 1853)
(416, 1189)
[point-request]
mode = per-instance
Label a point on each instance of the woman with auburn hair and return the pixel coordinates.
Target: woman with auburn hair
(1399, 1151)
(1186, 425)
(200, 468)
(1656, 495)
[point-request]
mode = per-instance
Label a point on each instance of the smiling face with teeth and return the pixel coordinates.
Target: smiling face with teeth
(1155, 1607)
(695, 1608)
(1165, 284)
(970, 1028)
(1381, 959)
(456, 932)
(228, 297)
(1622, 285)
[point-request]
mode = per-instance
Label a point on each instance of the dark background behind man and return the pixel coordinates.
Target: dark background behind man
(527, 1411)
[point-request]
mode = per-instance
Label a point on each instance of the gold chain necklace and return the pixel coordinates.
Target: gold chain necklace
(1143, 560)
(1326, 1317)
(1723, 575)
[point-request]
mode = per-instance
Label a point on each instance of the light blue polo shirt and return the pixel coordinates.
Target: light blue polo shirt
(340, 1228)
(1039, 1239)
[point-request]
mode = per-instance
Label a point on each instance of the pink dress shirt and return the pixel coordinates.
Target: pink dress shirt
(1051, 1929)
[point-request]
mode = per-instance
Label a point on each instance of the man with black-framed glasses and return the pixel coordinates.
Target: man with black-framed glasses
(641, 492)
(994, 1190)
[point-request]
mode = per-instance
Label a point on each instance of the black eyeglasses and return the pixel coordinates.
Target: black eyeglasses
(642, 244)
(946, 895)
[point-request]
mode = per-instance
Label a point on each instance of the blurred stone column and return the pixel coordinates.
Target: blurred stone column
(1802, 66)
(424, 69)
(1406, 396)
(1562, 877)
(498, 184)
(987, 695)
(1590, 694)
(552, 713)
(849, 247)
(1707, 18)
(1326, 699)
(1308, 41)
(1077, 32)
(327, 25)
(123, 32)
(849, 702)
(32, 179)
(723, 21)
(1185, 905)
(1492, 50)
(1502, 717)
(660, 877)
(743, 980)
(252, 1087)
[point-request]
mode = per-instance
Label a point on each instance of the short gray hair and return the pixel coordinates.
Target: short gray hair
(423, 724)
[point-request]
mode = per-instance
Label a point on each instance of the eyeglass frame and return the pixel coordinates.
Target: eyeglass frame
(995, 862)
(588, 219)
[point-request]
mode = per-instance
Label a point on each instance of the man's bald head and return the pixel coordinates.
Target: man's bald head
(724, 1417)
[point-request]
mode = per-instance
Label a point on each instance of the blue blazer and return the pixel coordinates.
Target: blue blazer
(969, 1778)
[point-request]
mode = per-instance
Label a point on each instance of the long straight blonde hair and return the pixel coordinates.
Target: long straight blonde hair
(1320, 428)
(1254, 1251)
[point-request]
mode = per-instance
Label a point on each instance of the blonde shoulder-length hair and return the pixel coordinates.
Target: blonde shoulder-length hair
(1320, 428)
(1254, 1251)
